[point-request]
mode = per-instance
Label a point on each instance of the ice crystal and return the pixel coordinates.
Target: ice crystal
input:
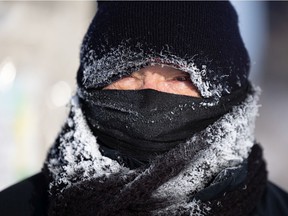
(230, 140)
(122, 60)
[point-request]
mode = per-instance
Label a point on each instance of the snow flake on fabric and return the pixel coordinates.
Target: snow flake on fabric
(78, 153)
(122, 61)
(76, 157)
(230, 140)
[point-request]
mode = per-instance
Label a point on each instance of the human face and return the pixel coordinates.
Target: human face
(160, 78)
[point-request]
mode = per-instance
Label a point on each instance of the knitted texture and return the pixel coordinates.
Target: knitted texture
(239, 202)
(242, 201)
(201, 38)
(84, 182)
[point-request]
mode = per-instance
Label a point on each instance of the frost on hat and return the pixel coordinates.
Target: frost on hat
(201, 38)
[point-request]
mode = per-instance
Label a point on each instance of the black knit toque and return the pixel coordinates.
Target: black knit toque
(201, 38)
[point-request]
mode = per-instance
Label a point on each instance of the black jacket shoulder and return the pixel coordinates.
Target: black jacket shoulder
(26, 198)
(274, 202)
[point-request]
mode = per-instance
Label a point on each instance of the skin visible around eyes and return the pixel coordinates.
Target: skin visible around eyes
(157, 77)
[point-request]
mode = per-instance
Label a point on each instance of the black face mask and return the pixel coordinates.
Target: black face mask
(144, 123)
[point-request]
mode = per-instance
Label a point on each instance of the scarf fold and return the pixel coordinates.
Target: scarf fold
(84, 182)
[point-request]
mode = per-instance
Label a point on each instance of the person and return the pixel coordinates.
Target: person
(161, 123)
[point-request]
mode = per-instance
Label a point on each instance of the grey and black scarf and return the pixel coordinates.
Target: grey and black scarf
(216, 171)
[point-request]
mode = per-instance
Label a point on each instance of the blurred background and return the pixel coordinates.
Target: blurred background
(39, 57)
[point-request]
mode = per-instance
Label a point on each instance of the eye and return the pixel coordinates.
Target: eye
(182, 78)
(126, 78)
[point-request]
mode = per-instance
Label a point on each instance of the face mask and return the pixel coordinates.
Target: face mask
(141, 124)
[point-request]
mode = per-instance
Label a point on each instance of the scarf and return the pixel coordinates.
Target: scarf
(84, 182)
(137, 125)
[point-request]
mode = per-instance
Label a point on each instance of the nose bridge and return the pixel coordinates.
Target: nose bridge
(151, 80)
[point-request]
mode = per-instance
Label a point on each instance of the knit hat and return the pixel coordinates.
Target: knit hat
(201, 38)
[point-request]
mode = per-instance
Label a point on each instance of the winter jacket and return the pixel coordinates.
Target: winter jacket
(29, 197)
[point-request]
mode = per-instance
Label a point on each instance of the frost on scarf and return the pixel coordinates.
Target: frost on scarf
(230, 140)
(122, 61)
(78, 153)
(77, 157)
